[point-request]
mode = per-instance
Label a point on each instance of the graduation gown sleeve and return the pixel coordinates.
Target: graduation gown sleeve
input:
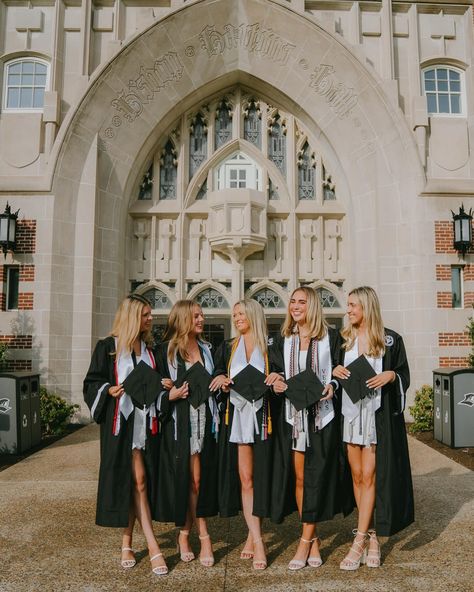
(99, 379)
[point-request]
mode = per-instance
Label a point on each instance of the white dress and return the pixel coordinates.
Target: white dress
(359, 418)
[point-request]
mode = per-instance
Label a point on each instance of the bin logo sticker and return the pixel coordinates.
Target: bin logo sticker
(468, 400)
(5, 405)
(25, 421)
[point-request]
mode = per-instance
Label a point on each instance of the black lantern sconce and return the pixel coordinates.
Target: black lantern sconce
(8, 230)
(462, 227)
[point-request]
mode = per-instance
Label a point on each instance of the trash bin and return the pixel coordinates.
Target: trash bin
(18, 431)
(453, 402)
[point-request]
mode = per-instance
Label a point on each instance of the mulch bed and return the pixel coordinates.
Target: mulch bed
(8, 460)
(463, 456)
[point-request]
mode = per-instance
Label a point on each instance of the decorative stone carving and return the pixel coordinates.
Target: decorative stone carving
(332, 236)
(308, 237)
(166, 235)
(277, 233)
(340, 98)
(141, 231)
(196, 233)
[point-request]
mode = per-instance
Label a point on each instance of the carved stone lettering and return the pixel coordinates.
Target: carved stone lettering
(264, 42)
(340, 97)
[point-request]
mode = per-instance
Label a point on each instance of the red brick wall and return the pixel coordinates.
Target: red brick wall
(444, 237)
(27, 273)
(25, 301)
(444, 300)
(17, 341)
(26, 236)
(451, 362)
(443, 272)
(453, 339)
(468, 299)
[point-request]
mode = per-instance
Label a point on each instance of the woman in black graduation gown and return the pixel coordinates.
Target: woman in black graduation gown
(188, 455)
(374, 429)
(129, 440)
(245, 436)
(307, 441)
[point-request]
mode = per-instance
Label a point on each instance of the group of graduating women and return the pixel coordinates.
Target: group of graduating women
(187, 452)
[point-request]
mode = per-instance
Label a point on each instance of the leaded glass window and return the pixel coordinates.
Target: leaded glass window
(25, 83)
(328, 300)
(239, 172)
(306, 173)
(168, 172)
(253, 125)
(268, 298)
(223, 124)
(157, 298)
(197, 144)
(277, 145)
(442, 88)
(329, 188)
(211, 298)
(145, 190)
(202, 193)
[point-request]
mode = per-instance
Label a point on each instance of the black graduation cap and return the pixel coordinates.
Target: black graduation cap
(361, 371)
(143, 384)
(250, 383)
(304, 389)
(198, 379)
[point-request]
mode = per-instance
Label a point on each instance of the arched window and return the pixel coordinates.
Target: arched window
(211, 298)
(239, 172)
(268, 298)
(145, 191)
(223, 124)
(253, 124)
(156, 298)
(442, 86)
(168, 172)
(277, 144)
(306, 173)
(25, 82)
(197, 144)
(328, 300)
(329, 188)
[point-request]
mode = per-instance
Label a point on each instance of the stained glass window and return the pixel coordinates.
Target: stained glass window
(223, 124)
(253, 125)
(306, 173)
(168, 172)
(277, 145)
(145, 190)
(329, 188)
(157, 298)
(197, 144)
(328, 300)
(211, 298)
(268, 298)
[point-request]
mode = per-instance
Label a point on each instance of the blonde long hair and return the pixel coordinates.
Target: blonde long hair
(314, 318)
(370, 304)
(256, 318)
(126, 327)
(180, 325)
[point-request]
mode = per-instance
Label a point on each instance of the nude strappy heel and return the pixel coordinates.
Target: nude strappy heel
(373, 555)
(160, 570)
(127, 563)
(296, 564)
(315, 561)
(187, 556)
(259, 564)
(206, 561)
(358, 550)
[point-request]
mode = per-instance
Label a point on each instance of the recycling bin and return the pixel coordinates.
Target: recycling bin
(20, 426)
(453, 406)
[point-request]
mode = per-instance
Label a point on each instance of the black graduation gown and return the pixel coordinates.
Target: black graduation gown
(323, 492)
(115, 472)
(174, 485)
(394, 504)
(229, 487)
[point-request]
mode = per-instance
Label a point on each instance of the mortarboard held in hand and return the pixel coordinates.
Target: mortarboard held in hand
(198, 379)
(355, 386)
(304, 389)
(143, 384)
(250, 383)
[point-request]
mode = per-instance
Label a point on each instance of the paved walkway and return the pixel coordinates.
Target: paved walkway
(48, 540)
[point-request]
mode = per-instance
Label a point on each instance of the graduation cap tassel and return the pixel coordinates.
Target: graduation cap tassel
(227, 412)
(116, 424)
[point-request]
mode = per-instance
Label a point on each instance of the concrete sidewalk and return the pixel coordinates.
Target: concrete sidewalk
(48, 540)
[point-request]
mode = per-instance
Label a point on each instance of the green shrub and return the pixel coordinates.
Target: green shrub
(55, 412)
(422, 410)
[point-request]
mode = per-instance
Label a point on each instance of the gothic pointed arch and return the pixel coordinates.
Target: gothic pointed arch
(211, 295)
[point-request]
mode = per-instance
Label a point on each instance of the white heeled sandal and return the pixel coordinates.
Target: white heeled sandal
(185, 556)
(358, 550)
(206, 561)
(160, 570)
(127, 563)
(373, 555)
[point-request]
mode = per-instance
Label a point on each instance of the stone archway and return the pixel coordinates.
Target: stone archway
(183, 58)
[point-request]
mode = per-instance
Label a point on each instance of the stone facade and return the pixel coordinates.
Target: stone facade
(216, 149)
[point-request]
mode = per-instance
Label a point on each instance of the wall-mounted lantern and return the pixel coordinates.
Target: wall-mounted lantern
(462, 227)
(8, 229)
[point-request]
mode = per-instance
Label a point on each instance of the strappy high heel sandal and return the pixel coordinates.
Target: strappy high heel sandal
(296, 564)
(244, 554)
(160, 570)
(358, 551)
(206, 561)
(187, 556)
(128, 563)
(373, 555)
(315, 561)
(259, 564)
